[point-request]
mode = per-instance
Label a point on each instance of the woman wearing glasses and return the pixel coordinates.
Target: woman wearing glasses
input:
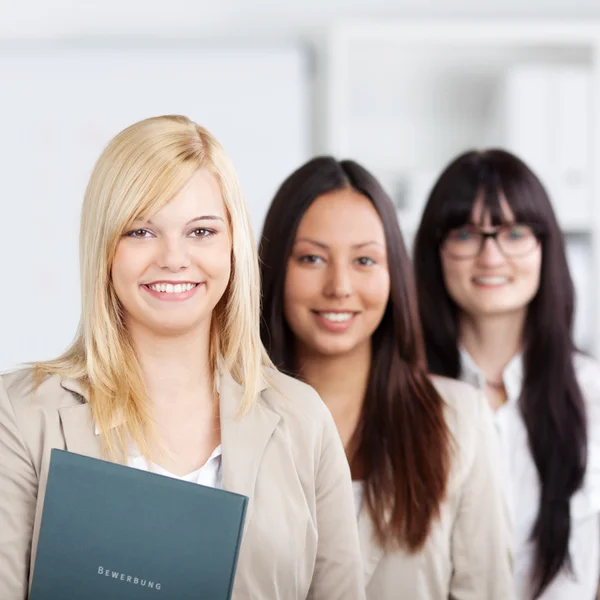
(496, 302)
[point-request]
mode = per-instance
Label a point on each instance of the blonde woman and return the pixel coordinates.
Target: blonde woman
(168, 373)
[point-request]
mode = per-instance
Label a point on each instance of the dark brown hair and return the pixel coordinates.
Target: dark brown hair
(551, 401)
(401, 446)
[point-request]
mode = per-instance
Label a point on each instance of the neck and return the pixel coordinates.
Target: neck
(492, 341)
(176, 369)
(341, 381)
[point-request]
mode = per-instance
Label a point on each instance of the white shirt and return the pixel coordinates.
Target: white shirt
(208, 474)
(523, 487)
(358, 492)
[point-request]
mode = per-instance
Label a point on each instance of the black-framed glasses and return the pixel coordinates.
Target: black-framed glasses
(513, 240)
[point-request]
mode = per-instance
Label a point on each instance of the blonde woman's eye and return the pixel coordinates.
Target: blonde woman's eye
(138, 233)
(202, 233)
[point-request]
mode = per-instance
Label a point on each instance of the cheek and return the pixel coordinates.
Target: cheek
(301, 293)
(215, 262)
(454, 274)
(126, 268)
(531, 269)
(453, 269)
(376, 290)
(221, 268)
(300, 286)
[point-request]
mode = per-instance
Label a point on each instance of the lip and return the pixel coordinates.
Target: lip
(171, 281)
(171, 297)
(332, 326)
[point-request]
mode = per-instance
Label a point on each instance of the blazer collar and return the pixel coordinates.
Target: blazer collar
(77, 386)
(243, 438)
(81, 389)
(77, 422)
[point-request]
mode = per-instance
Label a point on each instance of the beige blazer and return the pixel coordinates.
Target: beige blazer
(300, 539)
(468, 555)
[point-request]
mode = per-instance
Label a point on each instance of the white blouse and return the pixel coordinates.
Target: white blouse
(208, 474)
(523, 487)
(358, 492)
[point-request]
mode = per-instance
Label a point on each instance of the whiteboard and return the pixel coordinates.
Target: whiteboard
(61, 105)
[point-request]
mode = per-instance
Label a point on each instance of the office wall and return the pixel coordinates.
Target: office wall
(275, 19)
(61, 105)
(221, 22)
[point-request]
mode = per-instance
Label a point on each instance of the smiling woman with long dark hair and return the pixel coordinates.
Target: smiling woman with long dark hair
(339, 312)
(496, 302)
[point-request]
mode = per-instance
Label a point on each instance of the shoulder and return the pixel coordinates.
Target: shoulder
(587, 371)
(469, 419)
(293, 399)
(456, 393)
(29, 411)
(305, 420)
(306, 427)
(27, 397)
(465, 405)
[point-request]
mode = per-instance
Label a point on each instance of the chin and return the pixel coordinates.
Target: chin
(171, 330)
(335, 349)
(170, 327)
(497, 310)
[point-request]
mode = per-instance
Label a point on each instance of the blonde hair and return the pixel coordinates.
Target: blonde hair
(140, 170)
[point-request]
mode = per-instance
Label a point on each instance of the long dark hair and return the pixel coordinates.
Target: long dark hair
(551, 401)
(401, 446)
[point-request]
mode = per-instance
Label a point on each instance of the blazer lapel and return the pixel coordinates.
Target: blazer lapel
(77, 423)
(243, 439)
(371, 551)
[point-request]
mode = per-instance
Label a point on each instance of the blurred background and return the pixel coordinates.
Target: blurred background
(400, 85)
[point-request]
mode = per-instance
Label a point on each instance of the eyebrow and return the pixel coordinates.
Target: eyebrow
(195, 219)
(326, 247)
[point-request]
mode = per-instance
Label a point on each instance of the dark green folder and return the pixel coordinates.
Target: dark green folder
(111, 532)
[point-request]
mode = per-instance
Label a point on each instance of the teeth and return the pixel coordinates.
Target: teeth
(169, 288)
(337, 317)
(491, 280)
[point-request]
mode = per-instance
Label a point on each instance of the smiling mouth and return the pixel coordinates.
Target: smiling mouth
(171, 288)
(336, 317)
(491, 280)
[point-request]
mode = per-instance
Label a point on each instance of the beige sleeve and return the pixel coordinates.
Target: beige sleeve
(482, 536)
(18, 495)
(338, 573)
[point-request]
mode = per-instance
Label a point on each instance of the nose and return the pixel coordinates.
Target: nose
(173, 255)
(491, 255)
(339, 282)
